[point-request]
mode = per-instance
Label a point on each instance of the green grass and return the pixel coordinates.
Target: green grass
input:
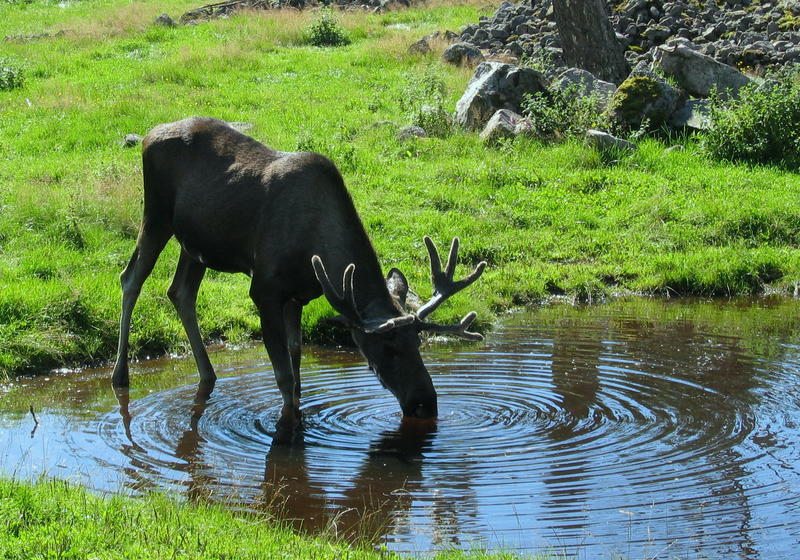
(56, 520)
(550, 219)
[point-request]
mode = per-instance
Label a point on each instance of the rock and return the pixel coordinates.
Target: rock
(240, 126)
(463, 54)
(694, 114)
(131, 140)
(657, 33)
(410, 132)
(495, 86)
(423, 46)
(697, 73)
(604, 141)
(730, 33)
(585, 84)
(165, 20)
(644, 96)
(505, 124)
(420, 47)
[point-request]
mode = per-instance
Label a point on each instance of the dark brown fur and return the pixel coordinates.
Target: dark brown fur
(236, 205)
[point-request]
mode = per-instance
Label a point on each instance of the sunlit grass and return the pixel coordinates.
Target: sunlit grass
(550, 219)
(53, 519)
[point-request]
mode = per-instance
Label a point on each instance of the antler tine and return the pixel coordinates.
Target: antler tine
(458, 330)
(344, 303)
(443, 284)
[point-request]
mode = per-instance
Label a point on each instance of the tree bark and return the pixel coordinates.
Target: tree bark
(588, 39)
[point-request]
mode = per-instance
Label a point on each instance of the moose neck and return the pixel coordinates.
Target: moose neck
(353, 246)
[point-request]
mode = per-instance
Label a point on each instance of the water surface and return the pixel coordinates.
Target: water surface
(639, 428)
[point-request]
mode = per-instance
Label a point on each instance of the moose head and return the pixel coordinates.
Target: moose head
(390, 344)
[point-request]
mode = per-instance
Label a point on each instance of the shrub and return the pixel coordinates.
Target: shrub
(558, 114)
(423, 100)
(326, 31)
(11, 75)
(762, 126)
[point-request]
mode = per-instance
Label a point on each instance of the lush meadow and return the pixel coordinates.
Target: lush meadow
(551, 219)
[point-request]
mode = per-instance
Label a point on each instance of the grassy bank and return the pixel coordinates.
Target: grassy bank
(550, 219)
(52, 519)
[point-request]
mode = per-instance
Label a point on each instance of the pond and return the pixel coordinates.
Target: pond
(641, 428)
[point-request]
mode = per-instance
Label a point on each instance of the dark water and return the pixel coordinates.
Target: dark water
(646, 429)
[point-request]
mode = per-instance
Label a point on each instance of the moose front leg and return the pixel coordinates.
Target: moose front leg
(292, 314)
(276, 340)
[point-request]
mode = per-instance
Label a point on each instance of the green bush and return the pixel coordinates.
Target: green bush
(558, 114)
(326, 30)
(423, 100)
(762, 126)
(11, 75)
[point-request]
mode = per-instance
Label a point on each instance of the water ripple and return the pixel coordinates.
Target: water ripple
(539, 440)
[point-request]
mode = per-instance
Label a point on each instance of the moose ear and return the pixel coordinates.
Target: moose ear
(397, 285)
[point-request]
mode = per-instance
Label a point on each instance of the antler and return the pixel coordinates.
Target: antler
(443, 284)
(459, 330)
(345, 303)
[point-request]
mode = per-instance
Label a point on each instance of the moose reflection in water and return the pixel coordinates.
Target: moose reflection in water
(381, 489)
(287, 221)
(380, 492)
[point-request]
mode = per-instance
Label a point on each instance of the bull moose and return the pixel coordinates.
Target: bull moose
(286, 220)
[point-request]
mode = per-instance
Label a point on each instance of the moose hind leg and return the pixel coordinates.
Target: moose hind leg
(183, 294)
(148, 247)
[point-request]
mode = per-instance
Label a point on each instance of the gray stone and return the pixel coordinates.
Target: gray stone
(694, 114)
(240, 126)
(463, 54)
(585, 84)
(657, 33)
(495, 86)
(165, 20)
(410, 132)
(131, 140)
(504, 124)
(697, 73)
(604, 141)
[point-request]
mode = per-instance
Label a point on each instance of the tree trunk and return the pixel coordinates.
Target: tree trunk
(588, 39)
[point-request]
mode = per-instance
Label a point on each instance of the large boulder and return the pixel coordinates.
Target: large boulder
(697, 73)
(496, 86)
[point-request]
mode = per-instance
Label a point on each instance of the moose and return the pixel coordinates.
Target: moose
(286, 220)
